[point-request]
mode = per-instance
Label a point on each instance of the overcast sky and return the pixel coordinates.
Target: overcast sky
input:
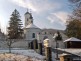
(46, 13)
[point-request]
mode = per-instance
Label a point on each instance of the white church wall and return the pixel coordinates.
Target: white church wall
(53, 42)
(26, 17)
(29, 33)
(60, 44)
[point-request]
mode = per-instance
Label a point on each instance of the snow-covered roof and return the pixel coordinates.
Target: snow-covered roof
(31, 26)
(64, 54)
(71, 51)
(72, 39)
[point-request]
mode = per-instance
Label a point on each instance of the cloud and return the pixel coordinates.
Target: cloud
(2, 24)
(45, 5)
(24, 4)
(37, 5)
(59, 16)
(63, 16)
(52, 18)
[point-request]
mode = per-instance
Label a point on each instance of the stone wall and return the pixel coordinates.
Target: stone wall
(16, 43)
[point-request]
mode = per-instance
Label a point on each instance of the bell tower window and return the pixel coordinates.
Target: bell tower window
(31, 21)
(27, 19)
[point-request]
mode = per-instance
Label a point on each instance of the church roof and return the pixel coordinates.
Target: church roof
(31, 26)
(72, 39)
(27, 13)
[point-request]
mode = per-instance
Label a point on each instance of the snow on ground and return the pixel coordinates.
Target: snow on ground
(20, 55)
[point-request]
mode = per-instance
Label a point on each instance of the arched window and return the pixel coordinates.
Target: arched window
(45, 32)
(33, 35)
(27, 19)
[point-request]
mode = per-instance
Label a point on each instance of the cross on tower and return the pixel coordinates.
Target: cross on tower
(27, 9)
(30, 11)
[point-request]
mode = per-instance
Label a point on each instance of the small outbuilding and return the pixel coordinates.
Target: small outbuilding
(72, 43)
(66, 57)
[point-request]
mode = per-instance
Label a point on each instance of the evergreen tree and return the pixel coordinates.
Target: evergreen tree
(15, 26)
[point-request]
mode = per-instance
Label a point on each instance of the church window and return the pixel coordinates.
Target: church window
(39, 32)
(45, 32)
(33, 35)
(31, 21)
(27, 19)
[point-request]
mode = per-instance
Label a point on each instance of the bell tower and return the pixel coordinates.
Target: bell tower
(28, 18)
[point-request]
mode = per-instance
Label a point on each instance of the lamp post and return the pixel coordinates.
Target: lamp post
(55, 38)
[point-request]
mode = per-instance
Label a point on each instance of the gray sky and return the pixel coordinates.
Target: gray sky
(46, 13)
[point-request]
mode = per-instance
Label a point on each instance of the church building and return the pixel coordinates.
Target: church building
(32, 32)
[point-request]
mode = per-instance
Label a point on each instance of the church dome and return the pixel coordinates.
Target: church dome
(31, 26)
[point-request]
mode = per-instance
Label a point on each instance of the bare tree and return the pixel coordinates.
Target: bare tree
(9, 42)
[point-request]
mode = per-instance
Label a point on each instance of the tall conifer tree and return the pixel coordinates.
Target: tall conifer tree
(15, 30)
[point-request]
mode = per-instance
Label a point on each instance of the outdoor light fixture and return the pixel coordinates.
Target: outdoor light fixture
(55, 37)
